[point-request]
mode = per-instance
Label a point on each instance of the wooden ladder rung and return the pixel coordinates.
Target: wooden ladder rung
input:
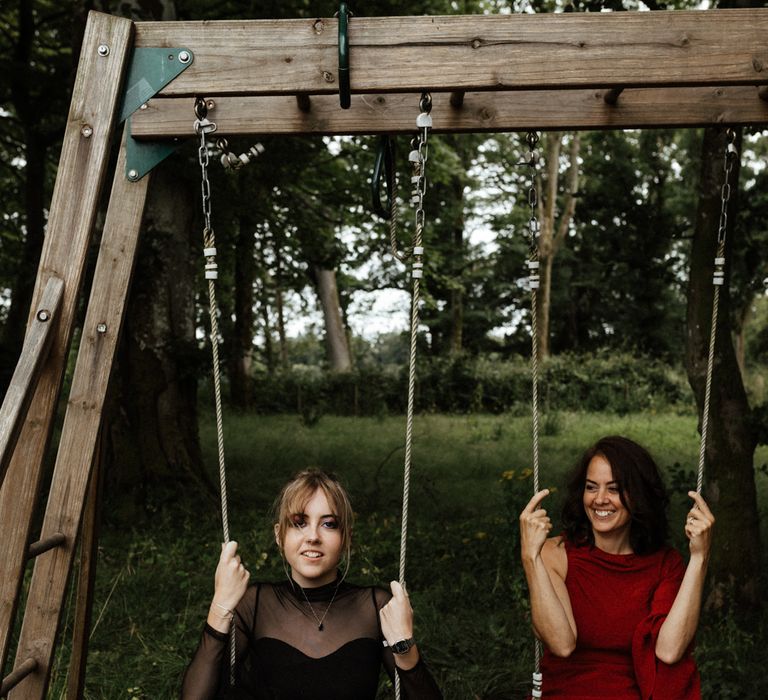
(37, 548)
(457, 99)
(611, 97)
(16, 676)
(303, 101)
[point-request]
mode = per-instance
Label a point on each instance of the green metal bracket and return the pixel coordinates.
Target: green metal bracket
(142, 156)
(150, 71)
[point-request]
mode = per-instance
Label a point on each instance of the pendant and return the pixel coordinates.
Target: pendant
(320, 627)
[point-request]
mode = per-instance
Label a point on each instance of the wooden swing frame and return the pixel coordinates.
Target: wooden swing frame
(486, 74)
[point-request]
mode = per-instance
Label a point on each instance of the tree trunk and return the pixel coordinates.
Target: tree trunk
(730, 477)
(153, 430)
(553, 231)
(26, 273)
(281, 324)
(241, 353)
(337, 347)
(457, 263)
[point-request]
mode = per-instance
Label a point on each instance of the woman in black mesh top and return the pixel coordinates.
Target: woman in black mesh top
(314, 635)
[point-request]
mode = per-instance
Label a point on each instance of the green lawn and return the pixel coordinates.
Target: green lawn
(469, 482)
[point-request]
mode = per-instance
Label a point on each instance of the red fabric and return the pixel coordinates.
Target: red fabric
(619, 603)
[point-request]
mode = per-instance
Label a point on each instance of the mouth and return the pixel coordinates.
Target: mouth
(311, 554)
(603, 514)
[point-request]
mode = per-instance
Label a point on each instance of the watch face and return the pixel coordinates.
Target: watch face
(402, 646)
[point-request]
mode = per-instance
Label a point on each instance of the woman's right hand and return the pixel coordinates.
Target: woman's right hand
(231, 578)
(535, 526)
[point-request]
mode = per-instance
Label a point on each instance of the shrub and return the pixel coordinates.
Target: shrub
(614, 383)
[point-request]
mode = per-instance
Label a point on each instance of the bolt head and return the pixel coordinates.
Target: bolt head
(101, 328)
(103, 50)
(87, 131)
(133, 175)
(43, 315)
(185, 57)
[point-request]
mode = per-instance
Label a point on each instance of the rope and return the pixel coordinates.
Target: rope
(710, 372)
(410, 410)
(418, 157)
(718, 279)
(533, 283)
(203, 126)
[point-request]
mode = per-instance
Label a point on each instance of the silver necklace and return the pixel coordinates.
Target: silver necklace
(319, 620)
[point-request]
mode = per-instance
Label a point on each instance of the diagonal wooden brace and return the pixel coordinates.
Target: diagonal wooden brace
(77, 447)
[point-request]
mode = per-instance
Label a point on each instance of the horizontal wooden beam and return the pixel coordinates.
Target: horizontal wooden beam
(480, 112)
(469, 53)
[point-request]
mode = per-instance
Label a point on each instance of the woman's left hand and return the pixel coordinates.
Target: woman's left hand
(698, 526)
(397, 615)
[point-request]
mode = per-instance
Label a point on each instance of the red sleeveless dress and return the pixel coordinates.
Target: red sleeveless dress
(619, 603)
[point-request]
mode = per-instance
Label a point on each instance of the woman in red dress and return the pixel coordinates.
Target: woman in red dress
(614, 605)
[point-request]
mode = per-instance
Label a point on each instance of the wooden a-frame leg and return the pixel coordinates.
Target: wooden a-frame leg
(77, 447)
(89, 544)
(82, 167)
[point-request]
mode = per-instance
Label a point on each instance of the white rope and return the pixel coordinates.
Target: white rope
(203, 126)
(533, 283)
(708, 389)
(418, 158)
(718, 279)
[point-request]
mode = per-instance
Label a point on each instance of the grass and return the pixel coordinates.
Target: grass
(470, 480)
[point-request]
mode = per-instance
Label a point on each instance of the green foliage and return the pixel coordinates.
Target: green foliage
(616, 383)
(471, 480)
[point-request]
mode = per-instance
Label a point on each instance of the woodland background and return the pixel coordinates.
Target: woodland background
(629, 221)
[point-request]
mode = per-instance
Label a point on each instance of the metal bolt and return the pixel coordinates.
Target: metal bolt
(87, 131)
(144, 106)
(185, 57)
(43, 315)
(210, 104)
(133, 175)
(101, 328)
(103, 50)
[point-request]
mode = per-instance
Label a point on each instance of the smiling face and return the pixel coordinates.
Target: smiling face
(312, 543)
(609, 517)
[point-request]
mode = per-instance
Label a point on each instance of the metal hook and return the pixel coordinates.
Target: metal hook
(201, 108)
(384, 157)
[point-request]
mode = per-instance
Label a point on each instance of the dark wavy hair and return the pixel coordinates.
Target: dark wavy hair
(640, 488)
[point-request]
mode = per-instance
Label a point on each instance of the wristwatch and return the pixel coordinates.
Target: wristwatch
(402, 646)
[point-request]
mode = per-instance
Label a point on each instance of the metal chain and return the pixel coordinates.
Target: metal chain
(204, 126)
(418, 158)
(531, 160)
(718, 279)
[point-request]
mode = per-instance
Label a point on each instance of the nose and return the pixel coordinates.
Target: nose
(312, 533)
(602, 496)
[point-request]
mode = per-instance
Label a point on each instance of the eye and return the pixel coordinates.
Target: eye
(330, 524)
(298, 521)
(590, 487)
(614, 489)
